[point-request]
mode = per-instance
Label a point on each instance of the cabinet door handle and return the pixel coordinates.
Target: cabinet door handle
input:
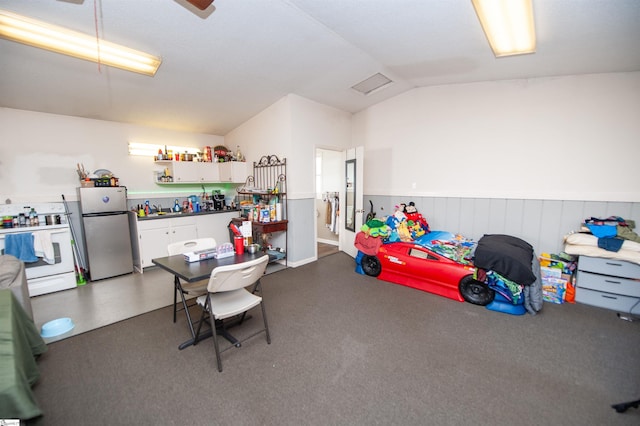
(613, 264)
(609, 297)
(612, 282)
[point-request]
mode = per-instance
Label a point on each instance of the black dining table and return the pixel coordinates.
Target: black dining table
(197, 271)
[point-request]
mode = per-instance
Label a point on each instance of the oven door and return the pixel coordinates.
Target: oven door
(63, 254)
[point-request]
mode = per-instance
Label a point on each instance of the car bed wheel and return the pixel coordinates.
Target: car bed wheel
(371, 266)
(475, 292)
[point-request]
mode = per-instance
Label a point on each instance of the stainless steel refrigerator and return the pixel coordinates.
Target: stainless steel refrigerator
(106, 231)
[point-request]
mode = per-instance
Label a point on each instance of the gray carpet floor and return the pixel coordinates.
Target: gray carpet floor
(348, 349)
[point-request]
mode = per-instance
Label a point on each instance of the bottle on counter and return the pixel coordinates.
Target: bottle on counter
(176, 206)
(33, 217)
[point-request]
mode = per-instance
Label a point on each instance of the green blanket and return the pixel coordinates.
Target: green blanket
(20, 343)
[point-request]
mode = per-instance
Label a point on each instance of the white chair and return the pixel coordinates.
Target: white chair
(188, 289)
(228, 297)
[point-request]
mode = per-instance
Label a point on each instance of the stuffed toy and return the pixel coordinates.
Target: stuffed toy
(415, 228)
(412, 214)
(376, 228)
(403, 231)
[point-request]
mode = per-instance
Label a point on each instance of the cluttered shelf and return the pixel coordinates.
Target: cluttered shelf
(263, 206)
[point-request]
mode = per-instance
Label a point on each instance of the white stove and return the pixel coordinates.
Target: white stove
(44, 275)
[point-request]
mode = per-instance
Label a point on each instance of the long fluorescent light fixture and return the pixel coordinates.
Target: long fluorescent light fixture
(61, 40)
(508, 25)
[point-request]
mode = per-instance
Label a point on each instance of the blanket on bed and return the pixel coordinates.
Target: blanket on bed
(583, 244)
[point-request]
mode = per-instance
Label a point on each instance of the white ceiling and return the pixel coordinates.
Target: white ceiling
(224, 65)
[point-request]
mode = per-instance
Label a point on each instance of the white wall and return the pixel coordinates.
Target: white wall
(267, 133)
(332, 170)
(40, 153)
(565, 138)
(314, 126)
(293, 128)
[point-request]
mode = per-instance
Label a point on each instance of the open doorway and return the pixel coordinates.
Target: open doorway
(329, 173)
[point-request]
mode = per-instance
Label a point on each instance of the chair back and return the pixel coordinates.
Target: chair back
(182, 247)
(239, 275)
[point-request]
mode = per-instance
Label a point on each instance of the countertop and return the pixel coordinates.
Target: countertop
(168, 214)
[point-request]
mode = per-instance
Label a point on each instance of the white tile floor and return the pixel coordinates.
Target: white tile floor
(104, 302)
(107, 301)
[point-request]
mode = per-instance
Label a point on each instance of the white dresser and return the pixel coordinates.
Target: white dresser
(608, 283)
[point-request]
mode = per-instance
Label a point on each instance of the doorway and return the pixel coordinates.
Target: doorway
(329, 171)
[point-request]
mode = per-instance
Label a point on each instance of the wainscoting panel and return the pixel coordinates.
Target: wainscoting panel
(542, 223)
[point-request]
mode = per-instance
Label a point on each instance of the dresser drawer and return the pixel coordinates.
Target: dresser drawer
(606, 300)
(617, 268)
(609, 284)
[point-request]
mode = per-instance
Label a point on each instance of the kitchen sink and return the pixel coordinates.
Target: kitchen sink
(164, 213)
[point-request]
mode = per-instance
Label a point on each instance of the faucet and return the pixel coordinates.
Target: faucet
(158, 208)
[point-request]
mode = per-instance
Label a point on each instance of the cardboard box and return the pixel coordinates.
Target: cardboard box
(546, 272)
(197, 256)
(553, 290)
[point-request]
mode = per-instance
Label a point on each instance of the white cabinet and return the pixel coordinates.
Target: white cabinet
(233, 171)
(191, 172)
(215, 225)
(608, 283)
(208, 172)
(183, 172)
(155, 235)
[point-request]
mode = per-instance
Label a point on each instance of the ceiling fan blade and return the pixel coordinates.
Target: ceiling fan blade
(201, 4)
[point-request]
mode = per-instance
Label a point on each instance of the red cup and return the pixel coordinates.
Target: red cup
(239, 244)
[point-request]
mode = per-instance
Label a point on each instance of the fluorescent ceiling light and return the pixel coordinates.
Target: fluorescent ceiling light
(61, 40)
(508, 25)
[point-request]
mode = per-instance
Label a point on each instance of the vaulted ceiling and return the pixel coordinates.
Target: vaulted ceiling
(223, 65)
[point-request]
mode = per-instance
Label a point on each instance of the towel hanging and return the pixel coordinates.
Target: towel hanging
(43, 246)
(20, 246)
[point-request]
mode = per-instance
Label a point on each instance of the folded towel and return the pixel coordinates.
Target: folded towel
(43, 246)
(20, 246)
(603, 231)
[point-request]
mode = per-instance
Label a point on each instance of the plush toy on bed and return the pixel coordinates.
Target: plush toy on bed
(416, 229)
(397, 223)
(376, 228)
(412, 215)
